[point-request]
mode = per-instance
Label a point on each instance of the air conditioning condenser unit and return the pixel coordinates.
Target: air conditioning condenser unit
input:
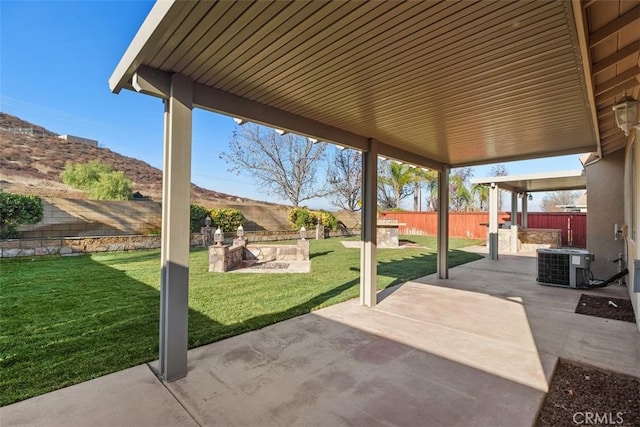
(564, 267)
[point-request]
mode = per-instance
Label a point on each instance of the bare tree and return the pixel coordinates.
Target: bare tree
(553, 199)
(345, 179)
(499, 170)
(285, 165)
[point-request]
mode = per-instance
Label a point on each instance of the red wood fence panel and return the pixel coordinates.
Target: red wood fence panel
(473, 225)
(572, 224)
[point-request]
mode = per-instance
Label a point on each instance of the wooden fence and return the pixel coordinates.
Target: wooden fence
(473, 225)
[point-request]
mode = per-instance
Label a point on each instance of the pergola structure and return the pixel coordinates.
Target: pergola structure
(437, 84)
(521, 186)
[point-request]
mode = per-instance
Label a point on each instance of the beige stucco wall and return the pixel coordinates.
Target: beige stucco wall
(632, 199)
(605, 184)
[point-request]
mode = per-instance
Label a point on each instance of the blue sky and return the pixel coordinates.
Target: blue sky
(56, 58)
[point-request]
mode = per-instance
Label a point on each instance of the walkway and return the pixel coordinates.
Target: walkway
(474, 350)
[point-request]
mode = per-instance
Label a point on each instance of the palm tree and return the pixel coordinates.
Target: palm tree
(482, 193)
(424, 176)
(397, 180)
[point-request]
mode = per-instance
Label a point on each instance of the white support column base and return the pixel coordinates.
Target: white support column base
(493, 221)
(514, 222)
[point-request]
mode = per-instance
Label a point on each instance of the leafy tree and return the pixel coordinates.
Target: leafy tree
(98, 180)
(551, 200)
(285, 165)
(17, 209)
(111, 186)
(345, 179)
(394, 184)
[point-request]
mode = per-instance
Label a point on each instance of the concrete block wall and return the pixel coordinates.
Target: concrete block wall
(262, 217)
(79, 217)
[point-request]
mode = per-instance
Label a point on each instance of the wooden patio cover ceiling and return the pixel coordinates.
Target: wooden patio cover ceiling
(460, 83)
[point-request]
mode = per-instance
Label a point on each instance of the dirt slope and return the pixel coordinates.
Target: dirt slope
(31, 163)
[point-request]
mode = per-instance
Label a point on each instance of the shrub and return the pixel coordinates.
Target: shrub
(98, 180)
(327, 219)
(228, 219)
(299, 217)
(17, 209)
(111, 186)
(197, 216)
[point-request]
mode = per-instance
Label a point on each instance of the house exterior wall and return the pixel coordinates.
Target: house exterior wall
(632, 216)
(605, 183)
(74, 138)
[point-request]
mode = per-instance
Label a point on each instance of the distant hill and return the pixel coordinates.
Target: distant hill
(32, 158)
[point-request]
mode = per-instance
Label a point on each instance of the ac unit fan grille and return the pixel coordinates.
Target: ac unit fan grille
(554, 268)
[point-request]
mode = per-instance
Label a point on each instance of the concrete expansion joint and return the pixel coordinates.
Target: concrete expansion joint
(164, 385)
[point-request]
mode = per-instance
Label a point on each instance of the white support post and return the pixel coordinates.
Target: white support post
(514, 222)
(525, 210)
(368, 259)
(493, 221)
(442, 238)
(174, 279)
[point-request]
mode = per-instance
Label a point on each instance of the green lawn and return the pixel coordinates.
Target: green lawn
(64, 320)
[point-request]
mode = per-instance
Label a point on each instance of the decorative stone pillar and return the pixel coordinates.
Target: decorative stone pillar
(319, 231)
(206, 236)
(218, 258)
(302, 253)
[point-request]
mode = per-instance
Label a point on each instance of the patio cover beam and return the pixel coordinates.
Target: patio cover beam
(156, 83)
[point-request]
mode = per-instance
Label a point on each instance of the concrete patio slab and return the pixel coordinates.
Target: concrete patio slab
(133, 397)
(477, 349)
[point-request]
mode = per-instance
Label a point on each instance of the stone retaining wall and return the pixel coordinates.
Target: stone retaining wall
(75, 245)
